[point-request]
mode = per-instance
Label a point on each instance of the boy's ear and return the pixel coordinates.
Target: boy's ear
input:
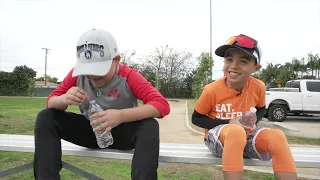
(117, 60)
(257, 68)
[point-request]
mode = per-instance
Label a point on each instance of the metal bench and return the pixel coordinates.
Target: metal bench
(308, 157)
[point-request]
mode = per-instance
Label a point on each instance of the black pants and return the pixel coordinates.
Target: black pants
(53, 125)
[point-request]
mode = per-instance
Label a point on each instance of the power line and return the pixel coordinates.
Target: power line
(45, 66)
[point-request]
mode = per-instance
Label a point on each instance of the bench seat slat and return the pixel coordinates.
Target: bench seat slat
(184, 153)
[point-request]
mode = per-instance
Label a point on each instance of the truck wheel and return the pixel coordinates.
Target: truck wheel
(278, 113)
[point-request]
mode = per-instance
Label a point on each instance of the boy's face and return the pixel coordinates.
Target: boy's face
(238, 66)
(100, 81)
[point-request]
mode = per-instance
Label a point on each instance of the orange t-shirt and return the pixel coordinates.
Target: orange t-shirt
(218, 101)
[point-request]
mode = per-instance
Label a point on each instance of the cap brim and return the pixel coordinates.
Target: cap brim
(221, 51)
(92, 68)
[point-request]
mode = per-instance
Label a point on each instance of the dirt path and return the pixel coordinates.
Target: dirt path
(173, 127)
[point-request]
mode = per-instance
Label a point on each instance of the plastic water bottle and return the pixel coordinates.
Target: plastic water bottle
(250, 118)
(102, 141)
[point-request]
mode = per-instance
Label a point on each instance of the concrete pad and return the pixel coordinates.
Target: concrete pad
(286, 126)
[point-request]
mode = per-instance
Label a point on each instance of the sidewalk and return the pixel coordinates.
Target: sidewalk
(173, 129)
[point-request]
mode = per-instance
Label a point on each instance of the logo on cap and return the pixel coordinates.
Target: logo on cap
(89, 47)
(88, 54)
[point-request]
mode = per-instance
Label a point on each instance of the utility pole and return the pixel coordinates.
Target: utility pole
(210, 73)
(45, 66)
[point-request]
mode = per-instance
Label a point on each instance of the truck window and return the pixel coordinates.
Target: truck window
(313, 86)
(293, 84)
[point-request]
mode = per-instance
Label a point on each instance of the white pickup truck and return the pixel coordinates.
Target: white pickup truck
(298, 96)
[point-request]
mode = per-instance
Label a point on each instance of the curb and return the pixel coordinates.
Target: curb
(188, 123)
(284, 126)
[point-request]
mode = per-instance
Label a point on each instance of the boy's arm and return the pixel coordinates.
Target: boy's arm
(260, 113)
(55, 99)
(202, 107)
(261, 106)
(155, 105)
(206, 122)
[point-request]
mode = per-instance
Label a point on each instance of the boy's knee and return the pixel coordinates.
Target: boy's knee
(236, 130)
(237, 133)
(149, 129)
(279, 134)
(276, 135)
(45, 117)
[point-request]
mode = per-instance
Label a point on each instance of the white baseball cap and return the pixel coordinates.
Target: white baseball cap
(96, 50)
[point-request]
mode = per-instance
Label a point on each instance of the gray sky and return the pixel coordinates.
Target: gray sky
(284, 28)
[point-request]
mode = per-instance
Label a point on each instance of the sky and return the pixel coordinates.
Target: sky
(283, 28)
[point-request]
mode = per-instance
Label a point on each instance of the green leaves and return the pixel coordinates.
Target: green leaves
(202, 74)
(16, 83)
(279, 74)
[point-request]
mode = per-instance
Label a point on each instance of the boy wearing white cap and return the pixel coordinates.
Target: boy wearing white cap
(99, 76)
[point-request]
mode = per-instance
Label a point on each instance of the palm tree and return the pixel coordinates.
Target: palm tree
(296, 66)
(317, 64)
(312, 64)
(269, 74)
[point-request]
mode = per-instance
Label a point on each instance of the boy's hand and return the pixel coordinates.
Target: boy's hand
(251, 131)
(75, 96)
(236, 121)
(107, 119)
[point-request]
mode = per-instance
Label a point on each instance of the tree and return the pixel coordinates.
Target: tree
(156, 60)
(202, 73)
(170, 67)
(23, 76)
(16, 82)
(32, 88)
(126, 59)
(312, 64)
(147, 71)
(273, 75)
(269, 74)
(24, 72)
(317, 64)
(286, 73)
(175, 67)
(297, 66)
(49, 79)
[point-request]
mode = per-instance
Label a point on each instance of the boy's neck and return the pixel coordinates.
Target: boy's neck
(236, 86)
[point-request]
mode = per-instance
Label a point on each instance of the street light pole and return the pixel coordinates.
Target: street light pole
(45, 66)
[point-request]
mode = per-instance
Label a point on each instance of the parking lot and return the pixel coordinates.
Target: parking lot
(302, 126)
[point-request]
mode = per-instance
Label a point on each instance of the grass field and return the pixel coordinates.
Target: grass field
(17, 116)
(291, 139)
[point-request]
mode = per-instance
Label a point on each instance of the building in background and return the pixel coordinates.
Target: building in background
(42, 90)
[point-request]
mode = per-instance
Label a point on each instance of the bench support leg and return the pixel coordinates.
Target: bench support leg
(16, 170)
(65, 165)
(79, 171)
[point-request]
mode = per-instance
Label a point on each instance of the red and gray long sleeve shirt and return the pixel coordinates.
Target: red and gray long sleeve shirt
(123, 91)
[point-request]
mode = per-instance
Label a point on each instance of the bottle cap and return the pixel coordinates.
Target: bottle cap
(92, 101)
(253, 110)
